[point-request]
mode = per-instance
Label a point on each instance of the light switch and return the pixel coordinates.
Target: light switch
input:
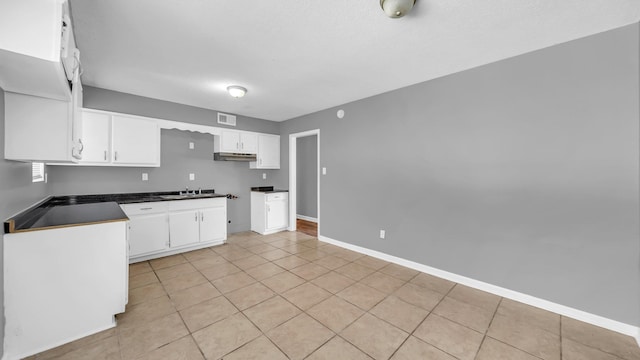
(145, 177)
(192, 176)
(264, 176)
(192, 145)
(324, 171)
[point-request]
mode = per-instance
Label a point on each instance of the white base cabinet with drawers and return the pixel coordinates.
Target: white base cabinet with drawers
(269, 212)
(164, 228)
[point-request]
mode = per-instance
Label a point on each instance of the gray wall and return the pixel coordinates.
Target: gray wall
(307, 176)
(16, 193)
(522, 173)
(177, 161)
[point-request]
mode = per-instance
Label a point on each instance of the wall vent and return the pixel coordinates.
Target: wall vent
(226, 119)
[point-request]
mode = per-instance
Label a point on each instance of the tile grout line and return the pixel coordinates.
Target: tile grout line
(484, 336)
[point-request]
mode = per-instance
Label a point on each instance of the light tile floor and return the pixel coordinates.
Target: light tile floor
(289, 296)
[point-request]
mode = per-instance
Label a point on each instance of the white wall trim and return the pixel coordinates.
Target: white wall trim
(293, 168)
(593, 319)
(307, 218)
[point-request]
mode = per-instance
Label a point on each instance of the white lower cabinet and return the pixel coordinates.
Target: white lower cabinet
(170, 227)
(269, 212)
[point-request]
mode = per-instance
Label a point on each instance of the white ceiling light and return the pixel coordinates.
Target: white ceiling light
(396, 8)
(236, 91)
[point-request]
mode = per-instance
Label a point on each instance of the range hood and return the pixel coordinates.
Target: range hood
(226, 156)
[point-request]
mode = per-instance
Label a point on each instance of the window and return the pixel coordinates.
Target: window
(37, 172)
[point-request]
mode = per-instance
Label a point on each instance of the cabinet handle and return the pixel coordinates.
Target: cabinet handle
(196, 217)
(242, 145)
(105, 155)
(201, 216)
(115, 156)
(147, 208)
(238, 146)
(81, 146)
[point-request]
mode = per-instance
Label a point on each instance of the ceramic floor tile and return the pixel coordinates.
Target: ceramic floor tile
(526, 337)
(344, 253)
(295, 248)
(452, 338)
(264, 271)
(371, 262)
(375, 337)
(145, 312)
(145, 293)
(194, 295)
(175, 270)
(382, 282)
(419, 296)
(309, 271)
(199, 254)
(333, 282)
(139, 268)
(414, 349)
(475, 297)
(290, 262)
(140, 340)
(137, 281)
(468, 315)
(355, 271)
(218, 271)
(433, 283)
(283, 282)
(107, 349)
(399, 313)
(233, 282)
(183, 281)
(167, 261)
(210, 261)
(492, 349)
(300, 336)
(207, 313)
(331, 262)
(261, 248)
(275, 254)
(399, 272)
(335, 313)
(312, 254)
(620, 345)
(259, 349)
(361, 296)
(573, 350)
(236, 255)
(249, 262)
(306, 295)
(225, 336)
(338, 348)
(531, 315)
(249, 296)
(182, 349)
(271, 313)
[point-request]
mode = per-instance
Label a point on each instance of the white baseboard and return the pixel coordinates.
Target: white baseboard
(593, 319)
(307, 218)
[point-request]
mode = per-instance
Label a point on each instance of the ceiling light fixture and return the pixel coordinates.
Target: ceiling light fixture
(236, 91)
(396, 8)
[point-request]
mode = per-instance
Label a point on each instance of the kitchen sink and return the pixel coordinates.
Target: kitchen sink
(187, 196)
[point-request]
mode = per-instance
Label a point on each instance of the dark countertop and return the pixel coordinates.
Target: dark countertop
(76, 210)
(267, 189)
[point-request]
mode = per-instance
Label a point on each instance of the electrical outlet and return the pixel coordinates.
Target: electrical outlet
(145, 177)
(382, 234)
(264, 176)
(192, 176)
(192, 145)
(324, 171)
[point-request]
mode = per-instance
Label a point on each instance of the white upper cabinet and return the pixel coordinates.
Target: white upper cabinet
(118, 140)
(37, 49)
(135, 141)
(234, 141)
(268, 152)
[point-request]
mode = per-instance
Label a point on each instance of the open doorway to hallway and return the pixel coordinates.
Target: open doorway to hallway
(304, 182)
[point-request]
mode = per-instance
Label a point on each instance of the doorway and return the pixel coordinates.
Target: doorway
(304, 178)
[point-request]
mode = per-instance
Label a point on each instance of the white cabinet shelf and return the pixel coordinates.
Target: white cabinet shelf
(268, 156)
(269, 212)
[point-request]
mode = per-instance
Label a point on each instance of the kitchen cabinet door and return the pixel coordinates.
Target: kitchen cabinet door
(184, 227)
(213, 224)
(229, 141)
(135, 141)
(147, 234)
(96, 129)
(268, 152)
(249, 143)
(277, 213)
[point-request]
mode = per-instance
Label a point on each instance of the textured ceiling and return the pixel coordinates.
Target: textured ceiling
(297, 57)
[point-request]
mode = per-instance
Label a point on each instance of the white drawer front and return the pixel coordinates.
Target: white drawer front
(144, 208)
(276, 196)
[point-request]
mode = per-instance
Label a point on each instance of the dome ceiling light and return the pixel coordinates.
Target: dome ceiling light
(396, 8)
(236, 91)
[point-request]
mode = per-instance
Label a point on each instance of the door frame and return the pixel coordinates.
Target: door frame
(293, 168)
